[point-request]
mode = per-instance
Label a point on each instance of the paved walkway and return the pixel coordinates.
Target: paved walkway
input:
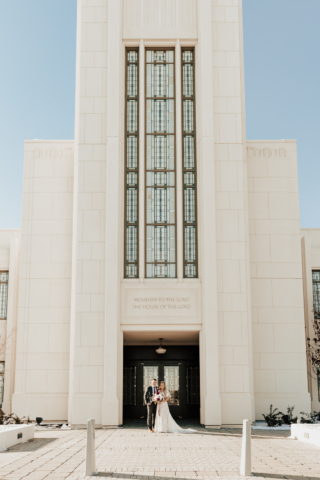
(133, 453)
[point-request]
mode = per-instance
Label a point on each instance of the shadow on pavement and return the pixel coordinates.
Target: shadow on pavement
(140, 477)
(230, 474)
(31, 445)
(288, 477)
(141, 423)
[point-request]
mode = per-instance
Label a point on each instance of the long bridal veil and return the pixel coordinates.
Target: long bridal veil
(164, 422)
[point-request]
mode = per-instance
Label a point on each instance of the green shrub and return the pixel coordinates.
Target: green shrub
(273, 418)
(288, 417)
(312, 417)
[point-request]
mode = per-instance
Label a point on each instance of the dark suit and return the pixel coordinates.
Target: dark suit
(152, 408)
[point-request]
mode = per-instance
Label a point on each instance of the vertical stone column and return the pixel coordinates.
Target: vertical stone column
(234, 299)
(179, 205)
(89, 214)
(10, 352)
(209, 348)
(113, 345)
(248, 373)
(308, 304)
(73, 371)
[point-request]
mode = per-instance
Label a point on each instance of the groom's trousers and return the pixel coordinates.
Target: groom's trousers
(151, 415)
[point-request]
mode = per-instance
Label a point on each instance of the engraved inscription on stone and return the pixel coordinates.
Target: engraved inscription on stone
(161, 303)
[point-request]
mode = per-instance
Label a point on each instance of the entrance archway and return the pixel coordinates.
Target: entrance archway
(179, 367)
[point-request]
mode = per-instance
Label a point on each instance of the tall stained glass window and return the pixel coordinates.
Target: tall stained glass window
(160, 165)
(189, 166)
(131, 165)
(316, 292)
(4, 277)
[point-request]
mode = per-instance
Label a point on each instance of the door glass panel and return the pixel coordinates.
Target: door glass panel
(148, 374)
(193, 386)
(129, 386)
(171, 377)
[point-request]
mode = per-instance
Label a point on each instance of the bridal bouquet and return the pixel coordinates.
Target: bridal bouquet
(158, 397)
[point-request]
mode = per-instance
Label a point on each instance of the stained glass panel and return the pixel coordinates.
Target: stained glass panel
(187, 78)
(160, 80)
(316, 292)
(188, 116)
(132, 79)
(161, 241)
(157, 179)
(132, 152)
(4, 277)
(131, 166)
(187, 56)
(190, 244)
(132, 116)
(131, 271)
(188, 152)
(160, 116)
(160, 152)
(189, 166)
(160, 165)
(163, 56)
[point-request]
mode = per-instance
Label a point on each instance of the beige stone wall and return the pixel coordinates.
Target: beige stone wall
(6, 235)
(43, 336)
(280, 375)
(235, 351)
(310, 246)
(159, 19)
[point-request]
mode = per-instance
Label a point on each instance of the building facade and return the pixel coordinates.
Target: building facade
(310, 245)
(160, 221)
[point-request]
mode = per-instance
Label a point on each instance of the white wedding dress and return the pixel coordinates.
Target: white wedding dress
(164, 422)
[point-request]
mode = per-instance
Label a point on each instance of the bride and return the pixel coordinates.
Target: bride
(164, 422)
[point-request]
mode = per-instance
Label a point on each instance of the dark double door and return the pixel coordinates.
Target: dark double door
(178, 367)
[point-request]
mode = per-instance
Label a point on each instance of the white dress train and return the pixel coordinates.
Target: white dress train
(164, 422)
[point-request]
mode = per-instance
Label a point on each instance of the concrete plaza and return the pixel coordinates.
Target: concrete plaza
(133, 452)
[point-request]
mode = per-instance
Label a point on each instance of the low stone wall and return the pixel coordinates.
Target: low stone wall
(306, 433)
(12, 434)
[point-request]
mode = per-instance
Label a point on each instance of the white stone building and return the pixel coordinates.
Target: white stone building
(159, 220)
(310, 243)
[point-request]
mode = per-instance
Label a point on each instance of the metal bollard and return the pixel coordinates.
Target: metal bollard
(90, 467)
(245, 463)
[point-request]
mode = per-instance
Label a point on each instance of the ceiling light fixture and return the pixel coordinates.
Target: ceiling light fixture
(161, 350)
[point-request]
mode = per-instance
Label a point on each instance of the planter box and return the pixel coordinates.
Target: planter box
(12, 434)
(306, 432)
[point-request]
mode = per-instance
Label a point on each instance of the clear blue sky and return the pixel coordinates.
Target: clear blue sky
(37, 83)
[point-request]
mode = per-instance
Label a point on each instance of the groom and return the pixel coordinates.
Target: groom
(151, 406)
